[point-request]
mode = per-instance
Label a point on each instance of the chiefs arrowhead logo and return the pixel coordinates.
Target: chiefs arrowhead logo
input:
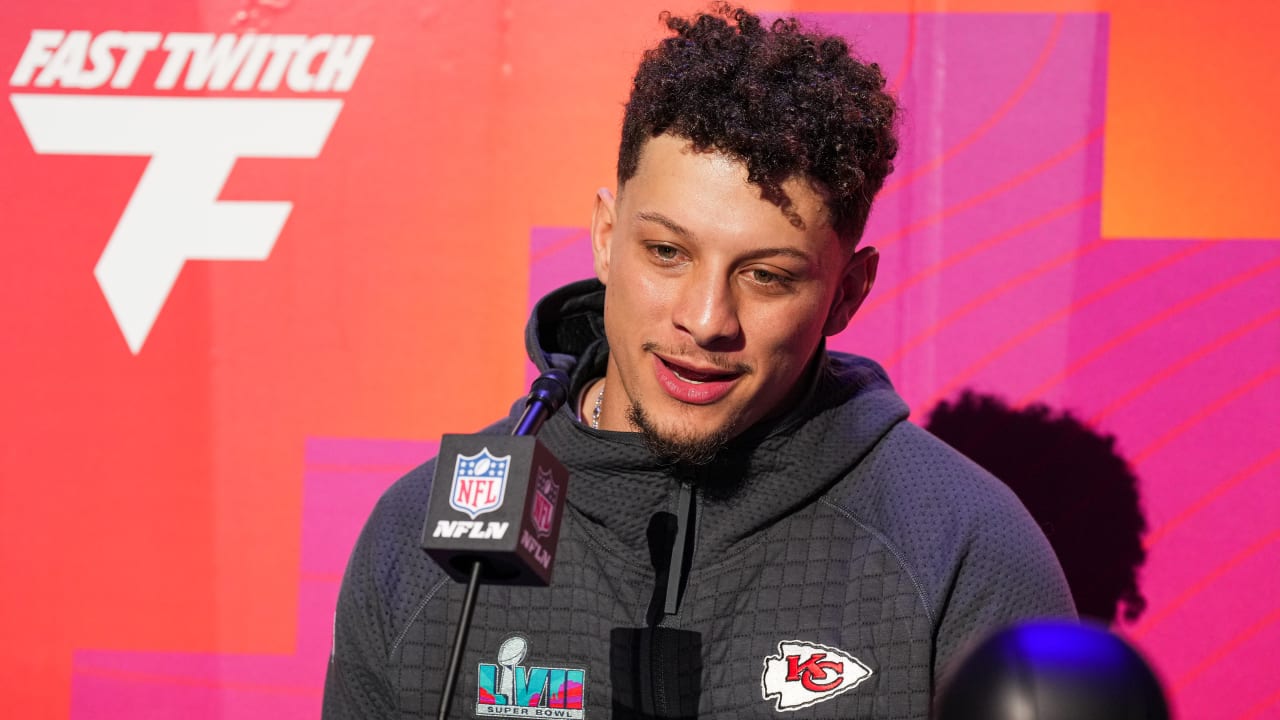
(804, 673)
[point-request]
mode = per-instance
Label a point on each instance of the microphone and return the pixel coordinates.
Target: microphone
(498, 499)
(519, 488)
(546, 395)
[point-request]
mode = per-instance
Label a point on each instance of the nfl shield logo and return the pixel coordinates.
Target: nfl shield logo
(479, 483)
(543, 513)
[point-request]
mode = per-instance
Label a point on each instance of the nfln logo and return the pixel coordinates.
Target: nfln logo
(804, 673)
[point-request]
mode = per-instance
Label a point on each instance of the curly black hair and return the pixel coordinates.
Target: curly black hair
(785, 101)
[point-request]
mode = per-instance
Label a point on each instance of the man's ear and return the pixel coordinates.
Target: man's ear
(602, 220)
(859, 276)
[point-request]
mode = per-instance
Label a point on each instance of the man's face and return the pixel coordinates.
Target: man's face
(715, 303)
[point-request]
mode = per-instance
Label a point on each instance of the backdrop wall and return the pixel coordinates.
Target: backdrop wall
(258, 255)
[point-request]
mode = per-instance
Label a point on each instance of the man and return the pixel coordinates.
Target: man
(752, 525)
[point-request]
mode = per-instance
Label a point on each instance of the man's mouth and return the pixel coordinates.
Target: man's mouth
(695, 385)
(697, 377)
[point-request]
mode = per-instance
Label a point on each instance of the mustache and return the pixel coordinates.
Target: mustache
(719, 360)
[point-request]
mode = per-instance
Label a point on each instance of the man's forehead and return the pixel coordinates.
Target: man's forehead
(807, 196)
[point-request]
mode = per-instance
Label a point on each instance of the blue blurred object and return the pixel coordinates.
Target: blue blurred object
(1052, 670)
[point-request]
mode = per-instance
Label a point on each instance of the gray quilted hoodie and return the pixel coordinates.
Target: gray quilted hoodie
(830, 565)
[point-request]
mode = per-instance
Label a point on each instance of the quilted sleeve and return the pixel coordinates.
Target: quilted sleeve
(1007, 572)
(356, 684)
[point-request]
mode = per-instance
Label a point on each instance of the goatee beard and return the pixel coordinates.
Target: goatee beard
(688, 452)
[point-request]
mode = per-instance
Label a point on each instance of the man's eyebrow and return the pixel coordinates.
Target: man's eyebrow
(685, 233)
(776, 251)
(664, 221)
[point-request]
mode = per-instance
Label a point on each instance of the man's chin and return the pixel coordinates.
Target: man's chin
(677, 448)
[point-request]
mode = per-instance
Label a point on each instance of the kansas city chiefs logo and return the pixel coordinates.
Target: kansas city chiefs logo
(805, 673)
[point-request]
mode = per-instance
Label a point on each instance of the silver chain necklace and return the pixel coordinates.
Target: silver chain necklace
(595, 413)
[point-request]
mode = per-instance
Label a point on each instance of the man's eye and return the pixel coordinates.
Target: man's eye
(770, 281)
(664, 252)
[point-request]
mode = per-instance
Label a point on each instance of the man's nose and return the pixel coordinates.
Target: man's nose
(707, 310)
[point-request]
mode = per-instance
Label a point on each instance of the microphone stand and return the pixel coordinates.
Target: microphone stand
(460, 640)
(546, 396)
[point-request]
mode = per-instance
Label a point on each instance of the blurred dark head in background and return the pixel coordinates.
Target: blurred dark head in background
(1052, 670)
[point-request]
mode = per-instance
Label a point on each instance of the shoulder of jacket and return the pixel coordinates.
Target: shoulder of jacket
(929, 504)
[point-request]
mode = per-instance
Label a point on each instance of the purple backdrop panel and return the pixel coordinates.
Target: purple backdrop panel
(994, 195)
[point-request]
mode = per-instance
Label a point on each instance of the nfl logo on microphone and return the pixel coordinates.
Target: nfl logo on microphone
(479, 483)
(546, 491)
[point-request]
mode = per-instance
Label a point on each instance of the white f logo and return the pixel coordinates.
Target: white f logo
(174, 215)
